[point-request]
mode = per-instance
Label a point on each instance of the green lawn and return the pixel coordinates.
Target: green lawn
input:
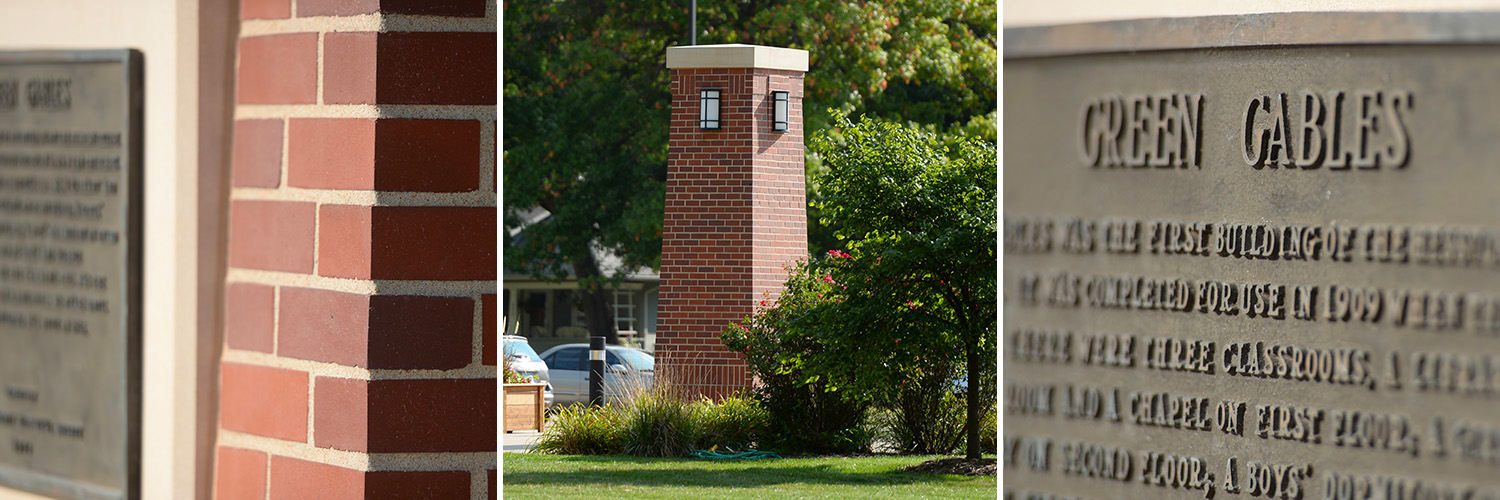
(552, 477)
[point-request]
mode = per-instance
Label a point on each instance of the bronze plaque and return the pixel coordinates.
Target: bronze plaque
(70, 269)
(1253, 257)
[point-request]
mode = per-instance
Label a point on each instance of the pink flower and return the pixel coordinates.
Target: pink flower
(828, 278)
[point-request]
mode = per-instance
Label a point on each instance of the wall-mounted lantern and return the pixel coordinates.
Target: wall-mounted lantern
(708, 109)
(780, 104)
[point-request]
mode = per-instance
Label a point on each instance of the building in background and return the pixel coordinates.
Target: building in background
(549, 313)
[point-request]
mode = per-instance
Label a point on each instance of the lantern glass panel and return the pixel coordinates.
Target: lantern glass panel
(708, 109)
(780, 104)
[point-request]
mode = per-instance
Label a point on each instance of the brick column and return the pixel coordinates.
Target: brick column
(736, 210)
(359, 360)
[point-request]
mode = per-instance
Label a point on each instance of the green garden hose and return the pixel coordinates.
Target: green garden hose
(746, 455)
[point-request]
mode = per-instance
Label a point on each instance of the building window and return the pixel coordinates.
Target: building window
(625, 312)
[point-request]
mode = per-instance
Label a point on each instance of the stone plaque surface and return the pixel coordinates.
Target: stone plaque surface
(1253, 257)
(70, 263)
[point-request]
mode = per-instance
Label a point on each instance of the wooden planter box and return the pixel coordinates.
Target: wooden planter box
(525, 408)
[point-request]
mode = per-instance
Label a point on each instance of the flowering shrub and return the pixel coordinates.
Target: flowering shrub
(808, 411)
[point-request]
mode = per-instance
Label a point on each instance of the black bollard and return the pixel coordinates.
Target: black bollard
(596, 371)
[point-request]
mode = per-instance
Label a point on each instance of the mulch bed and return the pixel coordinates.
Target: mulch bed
(956, 466)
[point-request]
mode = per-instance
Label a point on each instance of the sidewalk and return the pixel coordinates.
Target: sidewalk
(518, 441)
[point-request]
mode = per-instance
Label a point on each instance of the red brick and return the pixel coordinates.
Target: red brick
(409, 68)
(432, 415)
(453, 8)
(240, 475)
(278, 69)
(427, 155)
(406, 416)
(265, 9)
(436, 68)
(324, 325)
(309, 8)
(349, 68)
(395, 332)
(257, 153)
(249, 317)
(271, 235)
(344, 241)
(341, 414)
(385, 154)
(491, 317)
(331, 153)
(415, 332)
(293, 479)
(432, 243)
(264, 401)
(402, 485)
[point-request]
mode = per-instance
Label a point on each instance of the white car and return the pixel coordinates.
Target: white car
(519, 356)
(626, 369)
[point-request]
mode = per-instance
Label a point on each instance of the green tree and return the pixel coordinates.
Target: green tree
(586, 104)
(918, 284)
(918, 212)
(585, 139)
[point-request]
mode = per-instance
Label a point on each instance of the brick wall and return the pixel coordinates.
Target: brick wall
(736, 216)
(359, 359)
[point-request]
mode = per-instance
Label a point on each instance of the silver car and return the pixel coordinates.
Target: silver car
(626, 370)
(523, 359)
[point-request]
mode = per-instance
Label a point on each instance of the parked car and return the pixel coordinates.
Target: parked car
(626, 369)
(521, 358)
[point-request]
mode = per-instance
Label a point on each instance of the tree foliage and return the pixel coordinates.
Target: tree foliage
(913, 302)
(924, 210)
(586, 103)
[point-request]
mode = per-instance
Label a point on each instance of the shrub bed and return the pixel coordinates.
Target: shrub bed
(659, 422)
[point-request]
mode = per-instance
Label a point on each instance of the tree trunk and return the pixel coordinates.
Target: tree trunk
(596, 308)
(972, 425)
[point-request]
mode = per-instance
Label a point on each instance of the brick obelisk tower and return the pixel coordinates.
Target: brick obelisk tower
(736, 210)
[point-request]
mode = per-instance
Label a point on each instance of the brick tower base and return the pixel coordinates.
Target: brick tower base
(736, 210)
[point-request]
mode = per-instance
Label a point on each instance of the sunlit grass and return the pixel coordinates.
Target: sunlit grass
(553, 477)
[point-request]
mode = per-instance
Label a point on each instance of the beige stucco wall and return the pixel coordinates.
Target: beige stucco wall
(1039, 12)
(182, 132)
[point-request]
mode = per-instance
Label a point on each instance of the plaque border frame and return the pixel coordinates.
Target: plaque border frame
(1253, 30)
(132, 146)
(1281, 30)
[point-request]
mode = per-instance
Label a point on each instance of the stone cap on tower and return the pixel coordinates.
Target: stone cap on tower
(736, 55)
